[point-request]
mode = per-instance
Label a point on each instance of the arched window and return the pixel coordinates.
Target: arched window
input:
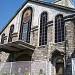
(43, 29)
(59, 28)
(25, 28)
(2, 38)
(10, 33)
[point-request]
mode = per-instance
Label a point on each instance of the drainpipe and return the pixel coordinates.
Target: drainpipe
(64, 48)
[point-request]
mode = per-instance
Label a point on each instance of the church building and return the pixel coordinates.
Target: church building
(41, 31)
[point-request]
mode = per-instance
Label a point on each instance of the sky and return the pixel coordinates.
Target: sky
(8, 9)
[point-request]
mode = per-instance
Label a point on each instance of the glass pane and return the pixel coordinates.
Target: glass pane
(43, 28)
(59, 28)
(26, 16)
(24, 34)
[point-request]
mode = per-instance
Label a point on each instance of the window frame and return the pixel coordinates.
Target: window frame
(43, 29)
(2, 38)
(59, 29)
(29, 25)
(10, 33)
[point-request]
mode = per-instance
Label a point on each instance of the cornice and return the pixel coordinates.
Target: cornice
(69, 18)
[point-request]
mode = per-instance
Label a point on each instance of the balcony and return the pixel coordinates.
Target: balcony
(16, 46)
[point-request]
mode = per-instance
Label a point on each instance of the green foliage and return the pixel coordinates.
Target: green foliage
(26, 73)
(4, 73)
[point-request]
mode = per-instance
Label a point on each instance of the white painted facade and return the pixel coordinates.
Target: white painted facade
(37, 10)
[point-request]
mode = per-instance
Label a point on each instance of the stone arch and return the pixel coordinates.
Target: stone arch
(58, 62)
(56, 53)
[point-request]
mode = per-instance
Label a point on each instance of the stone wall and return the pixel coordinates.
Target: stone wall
(34, 36)
(4, 56)
(40, 53)
(69, 26)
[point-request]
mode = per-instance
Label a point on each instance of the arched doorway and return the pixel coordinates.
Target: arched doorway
(58, 62)
(59, 66)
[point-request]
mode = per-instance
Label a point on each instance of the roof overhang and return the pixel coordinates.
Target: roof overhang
(16, 46)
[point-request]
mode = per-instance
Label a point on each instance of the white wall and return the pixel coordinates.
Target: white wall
(67, 3)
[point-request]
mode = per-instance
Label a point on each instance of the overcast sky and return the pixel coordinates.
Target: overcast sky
(8, 8)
